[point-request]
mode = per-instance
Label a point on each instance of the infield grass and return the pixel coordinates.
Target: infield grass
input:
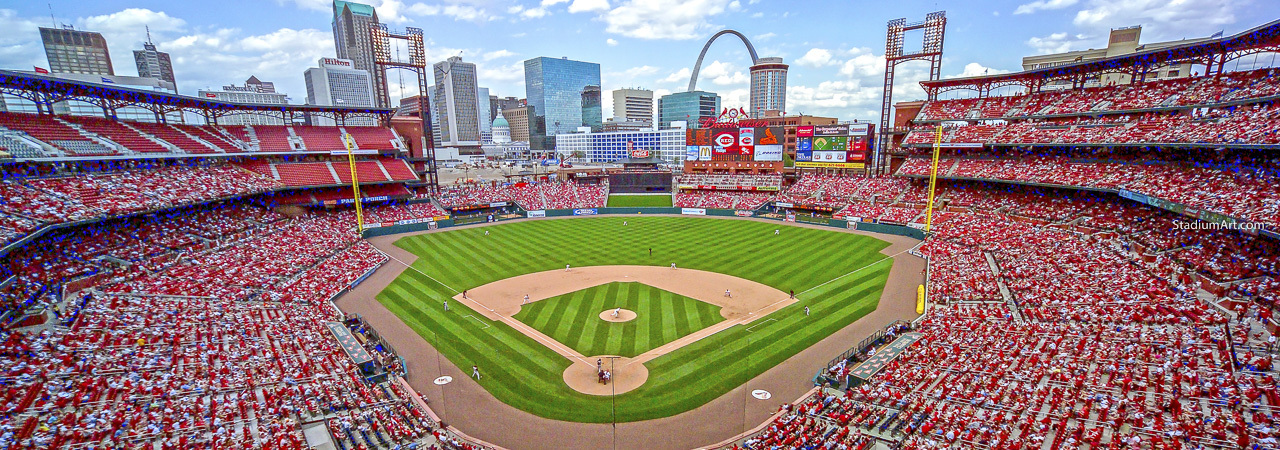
(639, 201)
(661, 317)
(523, 373)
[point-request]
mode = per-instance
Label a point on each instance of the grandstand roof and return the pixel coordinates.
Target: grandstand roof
(49, 88)
(1209, 52)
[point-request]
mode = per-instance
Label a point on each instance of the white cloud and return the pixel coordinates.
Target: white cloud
(664, 19)
(508, 73)
(611, 41)
(497, 54)
(757, 15)
(679, 76)
(974, 69)
(588, 5)
(20, 46)
(764, 37)
(534, 13)
(816, 57)
(1058, 43)
(1030, 8)
(1161, 19)
(864, 63)
(546, 3)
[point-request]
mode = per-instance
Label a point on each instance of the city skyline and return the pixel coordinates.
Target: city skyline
(834, 71)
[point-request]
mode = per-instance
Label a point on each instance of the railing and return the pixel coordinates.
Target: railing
(869, 341)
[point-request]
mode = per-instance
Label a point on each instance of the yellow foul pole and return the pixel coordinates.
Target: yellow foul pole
(933, 177)
(355, 183)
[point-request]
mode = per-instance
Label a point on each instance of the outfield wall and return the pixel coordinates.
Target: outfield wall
(883, 228)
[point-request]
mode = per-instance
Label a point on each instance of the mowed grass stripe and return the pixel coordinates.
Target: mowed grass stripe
(577, 323)
(527, 375)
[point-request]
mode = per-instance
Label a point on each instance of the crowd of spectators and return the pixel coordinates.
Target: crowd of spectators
(200, 326)
(1101, 336)
(1174, 92)
(530, 196)
(1244, 188)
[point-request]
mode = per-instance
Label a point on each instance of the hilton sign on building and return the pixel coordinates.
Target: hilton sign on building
(336, 82)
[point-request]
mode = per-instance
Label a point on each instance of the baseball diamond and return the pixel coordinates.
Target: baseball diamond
(525, 373)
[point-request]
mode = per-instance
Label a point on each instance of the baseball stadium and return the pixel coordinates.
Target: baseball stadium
(1083, 255)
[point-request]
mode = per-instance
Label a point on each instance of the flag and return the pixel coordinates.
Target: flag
(41, 70)
(106, 80)
(1218, 34)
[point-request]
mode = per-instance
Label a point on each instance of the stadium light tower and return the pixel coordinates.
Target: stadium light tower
(417, 63)
(935, 27)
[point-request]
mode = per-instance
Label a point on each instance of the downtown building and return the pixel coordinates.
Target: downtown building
(689, 107)
(555, 89)
(153, 63)
(336, 82)
(253, 91)
(633, 105)
(75, 51)
(455, 104)
(768, 88)
(352, 23)
(606, 147)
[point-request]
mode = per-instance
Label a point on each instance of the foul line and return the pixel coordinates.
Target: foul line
(477, 320)
(761, 323)
(415, 269)
(856, 270)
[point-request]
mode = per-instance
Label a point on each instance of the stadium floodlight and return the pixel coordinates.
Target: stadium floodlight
(935, 27)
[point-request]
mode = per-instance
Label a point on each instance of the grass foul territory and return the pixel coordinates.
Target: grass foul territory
(639, 201)
(527, 375)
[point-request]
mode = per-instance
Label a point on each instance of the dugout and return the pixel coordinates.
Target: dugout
(485, 212)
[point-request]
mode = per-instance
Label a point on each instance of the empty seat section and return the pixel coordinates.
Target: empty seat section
(372, 138)
(173, 136)
(305, 174)
(53, 132)
(398, 169)
(320, 139)
(118, 133)
(368, 171)
(211, 136)
(273, 138)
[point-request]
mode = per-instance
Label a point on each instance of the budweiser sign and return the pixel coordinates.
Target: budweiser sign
(732, 118)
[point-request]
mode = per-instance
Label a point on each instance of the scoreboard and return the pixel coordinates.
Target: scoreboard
(833, 146)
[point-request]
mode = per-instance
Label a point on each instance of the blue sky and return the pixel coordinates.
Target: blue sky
(835, 48)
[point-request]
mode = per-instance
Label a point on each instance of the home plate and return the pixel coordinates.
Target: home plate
(761, 394)
(446, 379)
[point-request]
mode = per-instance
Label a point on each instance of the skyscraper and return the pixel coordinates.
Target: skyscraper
(351, 40)
(592, 110)
(337, 83)
(501, 104)
(633, 105)
(768, 87)
(153, 63)
(456, 103)
(485, 118)
(554, 89)
(689, 106)
(73, 51)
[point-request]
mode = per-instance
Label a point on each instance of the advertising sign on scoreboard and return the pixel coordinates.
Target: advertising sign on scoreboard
(704, 152)
(830, 143)
(746, 141)
(725, 141)
(772, 152)
(769, 135)
(691, 153)
(842, 146)
(804, 131)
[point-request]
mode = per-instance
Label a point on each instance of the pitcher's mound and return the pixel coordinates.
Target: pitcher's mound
(625, 315)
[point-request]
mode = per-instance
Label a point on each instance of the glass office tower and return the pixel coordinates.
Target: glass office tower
(555, 88)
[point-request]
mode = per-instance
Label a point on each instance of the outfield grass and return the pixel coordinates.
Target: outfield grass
(639, 201)
(661, 317)
(525, 374)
